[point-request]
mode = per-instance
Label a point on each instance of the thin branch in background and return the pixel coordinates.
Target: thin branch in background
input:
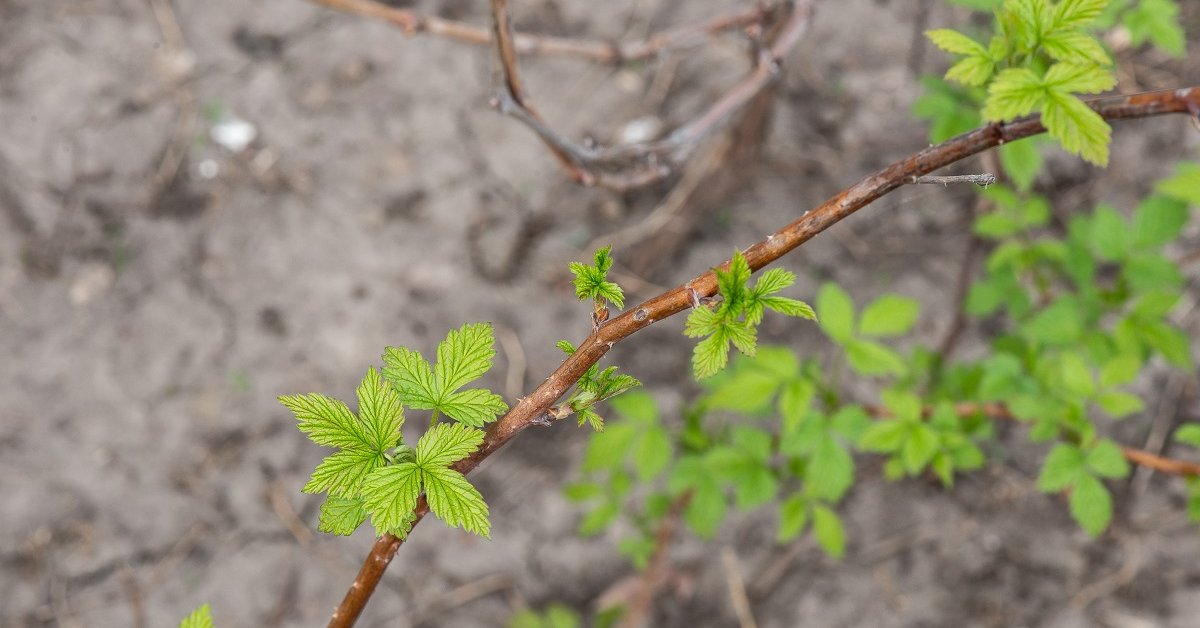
(512, 98)
(639, 164)
(655, 574)
(532, 409)
(624, 167)
(598, 51)
(514, 378)
(982, 180)
(463, 594)
(737, 588)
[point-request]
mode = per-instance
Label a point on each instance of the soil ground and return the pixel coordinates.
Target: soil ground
(158, 291)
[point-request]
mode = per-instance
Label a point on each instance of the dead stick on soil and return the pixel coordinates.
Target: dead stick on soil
(737, 588)
(532, 409)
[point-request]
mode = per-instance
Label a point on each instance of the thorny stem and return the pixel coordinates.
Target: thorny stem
(534, 406)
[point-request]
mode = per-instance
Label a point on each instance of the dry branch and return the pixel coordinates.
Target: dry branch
(413, 23)
(624, 167)
(535, 408)
(635, 165)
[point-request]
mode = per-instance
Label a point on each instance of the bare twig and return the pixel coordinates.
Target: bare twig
(534, 406)
(737, 589)
(982, 180)
(656, 570)
(599, 51)
(514, 378)
(287, 514)
(463, 594)
(623, 167)
(634, 165)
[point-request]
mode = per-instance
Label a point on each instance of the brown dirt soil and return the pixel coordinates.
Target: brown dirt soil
(157, 292)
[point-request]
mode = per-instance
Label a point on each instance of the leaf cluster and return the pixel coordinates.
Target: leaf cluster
(199, 618)
(593, 387)
(1040, 56)
(591, 282)
(1081, 316)
(735, 319)
(374, 473)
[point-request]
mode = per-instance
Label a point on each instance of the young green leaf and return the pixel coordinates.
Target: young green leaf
(1079, 129)
(835, 312)
(827, 528)
(1076, 13)
(1091, 504)
(447, 443)
(325, 421)
(363, 441)
(341, 474)
(889, 315)
(390, 494)
(1188, 435)
(342, 515)
(1157, 21)
(463, 356)
(1021, 161)
(710, 355)
(1014, 92)
(871, 358)
(452, 498)
(793, 516)
(1062, 468)
(591, 282)
(977, 65)
(1184, 185)
(830, 471)
(1106, 460)
(199, 618)
(1158, 220)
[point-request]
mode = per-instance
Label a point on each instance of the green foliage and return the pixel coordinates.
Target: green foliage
(390, 493)
(593, 387)
(1156, 21)
(735, 319)
(363, 442)
(342, 515)
(1080, 315)
(373, 473)
(591, 282)
(1040, 56)
(465, 355)
(1189, 435)
(199, 618)
(1072, 468)
(554, 616)
(888, 316)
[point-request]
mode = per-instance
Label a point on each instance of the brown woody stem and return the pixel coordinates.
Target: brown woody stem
(530, 408)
